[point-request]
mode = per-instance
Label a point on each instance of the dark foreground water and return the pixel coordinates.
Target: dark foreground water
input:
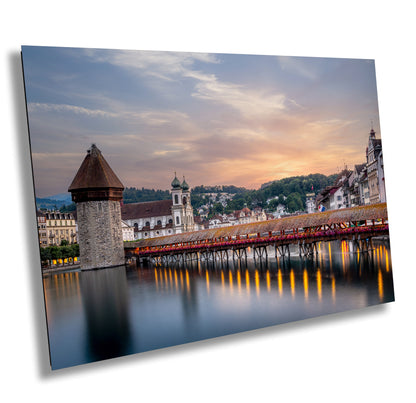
(108, 313)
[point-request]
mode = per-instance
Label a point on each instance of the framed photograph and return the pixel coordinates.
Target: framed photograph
(186, 196)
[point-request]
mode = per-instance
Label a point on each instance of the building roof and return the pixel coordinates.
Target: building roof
(184, 185)
(95, 173)
(146, 209)
(175, 183)
(360, 167)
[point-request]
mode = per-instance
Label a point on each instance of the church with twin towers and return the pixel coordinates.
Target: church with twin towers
(162, 217)
(98, 194)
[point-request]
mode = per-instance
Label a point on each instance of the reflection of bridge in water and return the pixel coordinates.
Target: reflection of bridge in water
(357, 224)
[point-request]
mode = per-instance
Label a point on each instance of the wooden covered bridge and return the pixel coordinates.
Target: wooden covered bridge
(357, 224)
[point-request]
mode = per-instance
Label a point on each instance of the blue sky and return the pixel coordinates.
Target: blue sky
(215, 118)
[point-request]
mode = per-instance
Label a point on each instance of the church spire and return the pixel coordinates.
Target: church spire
(372, 132)
(175, 183)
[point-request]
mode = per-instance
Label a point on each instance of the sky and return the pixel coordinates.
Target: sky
(217, 119)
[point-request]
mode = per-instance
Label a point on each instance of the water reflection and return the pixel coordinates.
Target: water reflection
(105, 301)
(108, 313)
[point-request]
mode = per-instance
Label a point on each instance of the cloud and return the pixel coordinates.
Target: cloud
(79, 110)
(171, 66)
(246, 101)
(163, 65)
(299, 65)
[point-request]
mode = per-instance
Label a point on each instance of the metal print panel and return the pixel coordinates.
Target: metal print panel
(185, 196)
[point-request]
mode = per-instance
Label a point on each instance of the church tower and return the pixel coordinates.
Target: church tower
(97, 192)
(177, 206)
(188, 214)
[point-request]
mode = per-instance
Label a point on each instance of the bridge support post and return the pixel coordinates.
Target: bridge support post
(260, 252)
(283, 249)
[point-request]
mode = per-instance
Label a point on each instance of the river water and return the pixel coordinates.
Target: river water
(101, 314)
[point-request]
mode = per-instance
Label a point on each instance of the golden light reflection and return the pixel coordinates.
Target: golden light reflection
(387, 261)
(292, 283)
(305, 283)
(170, 279)
(280, 282)
(78, 287)
(257, 282)
(231, 281)
(268, 280)
(166, 277)
(320, 254)
(55, 280)
(247, 282)
(156, 280)
(319, 284)
(181, 278)
(207, 278)
(188, 286)
(222, 282)
(380, 285)
(239, 281)
(333, 290)
(176, 281)
(330, 255)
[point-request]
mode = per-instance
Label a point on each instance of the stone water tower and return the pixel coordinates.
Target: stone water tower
(97, 192)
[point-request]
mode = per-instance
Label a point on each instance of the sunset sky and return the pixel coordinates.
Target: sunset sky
(218, 119)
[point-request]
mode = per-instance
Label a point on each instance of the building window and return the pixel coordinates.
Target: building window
(170, 221)
(177, 220)
(147, 224)
(159, 222)
(176, 199)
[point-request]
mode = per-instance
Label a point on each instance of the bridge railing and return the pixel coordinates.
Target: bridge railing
(349, 230)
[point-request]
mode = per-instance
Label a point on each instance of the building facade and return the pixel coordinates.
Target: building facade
(310, 203)
(55, 227)
(372, 154)
(163, 217)
(127, 231)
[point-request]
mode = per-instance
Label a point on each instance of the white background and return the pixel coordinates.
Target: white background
(365, 355)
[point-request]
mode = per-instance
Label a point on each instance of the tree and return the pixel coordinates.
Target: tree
(56, 253)
(74, 251)
(45, 255)
(65, 251)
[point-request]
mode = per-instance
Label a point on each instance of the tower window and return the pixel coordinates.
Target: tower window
(176, 199)
(159, 222)
(184, 200)
(177, 220)
(147, 224)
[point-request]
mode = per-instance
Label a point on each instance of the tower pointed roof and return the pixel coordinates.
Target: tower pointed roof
(175, 183)
(95, 178)
(184, 185)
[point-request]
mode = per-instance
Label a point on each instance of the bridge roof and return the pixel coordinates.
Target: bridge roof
(369, 212)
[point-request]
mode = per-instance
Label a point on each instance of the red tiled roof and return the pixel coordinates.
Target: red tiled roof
(146, 209)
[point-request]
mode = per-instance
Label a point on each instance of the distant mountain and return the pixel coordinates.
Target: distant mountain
(61, 196)
(53, 202)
